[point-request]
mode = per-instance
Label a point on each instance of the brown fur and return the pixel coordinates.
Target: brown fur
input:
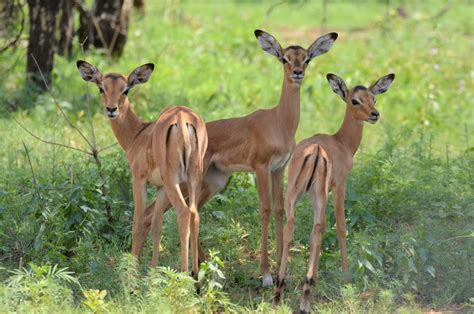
(261, 142)
(332, 156)
(163, 153)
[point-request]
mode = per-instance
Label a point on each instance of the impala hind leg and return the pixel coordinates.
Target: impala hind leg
(277, 195)
(214, 182)
(193, 189)
(183, 215)
(263, 186)
(319, 201)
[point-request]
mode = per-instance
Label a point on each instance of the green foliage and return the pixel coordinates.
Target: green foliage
(40, 287)
(95, 300)
(211, 278)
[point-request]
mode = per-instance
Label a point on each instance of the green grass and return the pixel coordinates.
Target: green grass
(410, 197)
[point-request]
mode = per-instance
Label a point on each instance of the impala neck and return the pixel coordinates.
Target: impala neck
(288, 108)
(350, 132)
(126, 126)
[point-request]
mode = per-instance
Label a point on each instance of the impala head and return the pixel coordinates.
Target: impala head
(114, 87)
(295, 59)
(360, 100)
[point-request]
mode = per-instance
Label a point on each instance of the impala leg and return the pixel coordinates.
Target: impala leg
(183, 217)
(156, 205)
(319, 202)
(157, 223)
(291, 199)
(139, 198)
(263, 186)
(339, 195)
(214, 181)
(277, 194)
(194, 226)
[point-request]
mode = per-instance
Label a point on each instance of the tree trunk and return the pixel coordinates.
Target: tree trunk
(111, 19)
(139, 5)
(66, 28)
(41, 41)
(85, 32)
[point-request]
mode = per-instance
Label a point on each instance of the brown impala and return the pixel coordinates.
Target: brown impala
(321, 163)
(163, 153)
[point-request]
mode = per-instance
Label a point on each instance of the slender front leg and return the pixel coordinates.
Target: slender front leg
(339, 195)
(139, 198)
(263, 186)
(277, 194)
(160, 206)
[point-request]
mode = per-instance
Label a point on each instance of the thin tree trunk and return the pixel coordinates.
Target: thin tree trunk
(41, 41)
(139, 4)
(111, 25)
(66, 28)
(85, 32)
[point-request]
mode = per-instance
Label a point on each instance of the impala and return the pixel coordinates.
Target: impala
(321, 163)
(261, 142)
(163, 153)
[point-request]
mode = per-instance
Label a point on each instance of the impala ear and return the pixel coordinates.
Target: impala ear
(337, 85)
(321, 45)
(140, 75)
(89, 73)
(269, 43)
(382, 84)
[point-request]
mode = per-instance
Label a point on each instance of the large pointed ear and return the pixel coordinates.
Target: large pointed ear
(382, 84)
(337, 85)
(140, 75)
(321, 45)
(89, 73)
(269, 43)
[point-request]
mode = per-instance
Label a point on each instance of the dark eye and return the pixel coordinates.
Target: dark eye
(101, 90)
(307, 61)
(125, 92)
(355, 102)
(284, 60)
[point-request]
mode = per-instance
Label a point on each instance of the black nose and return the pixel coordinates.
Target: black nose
(375, 114)
(111, 109)
(297, 72)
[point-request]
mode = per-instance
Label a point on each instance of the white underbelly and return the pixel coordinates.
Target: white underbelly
(155, 177)
(234, 168)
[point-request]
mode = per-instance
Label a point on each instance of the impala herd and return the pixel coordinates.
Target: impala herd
(189, 161)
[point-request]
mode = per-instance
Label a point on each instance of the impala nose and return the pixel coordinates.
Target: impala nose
(375, 114)
(111, 109)
(297, 72)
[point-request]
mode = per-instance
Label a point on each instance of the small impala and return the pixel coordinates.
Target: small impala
(163, 153)
(261, 142)
(321, 163)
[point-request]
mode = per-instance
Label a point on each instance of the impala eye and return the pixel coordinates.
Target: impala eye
(355, 102)
(125, 92)
(284, 60)
(101, 90)
(307, 61)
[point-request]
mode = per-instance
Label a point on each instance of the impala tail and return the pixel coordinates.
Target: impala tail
(310, 169)
(184, 147)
